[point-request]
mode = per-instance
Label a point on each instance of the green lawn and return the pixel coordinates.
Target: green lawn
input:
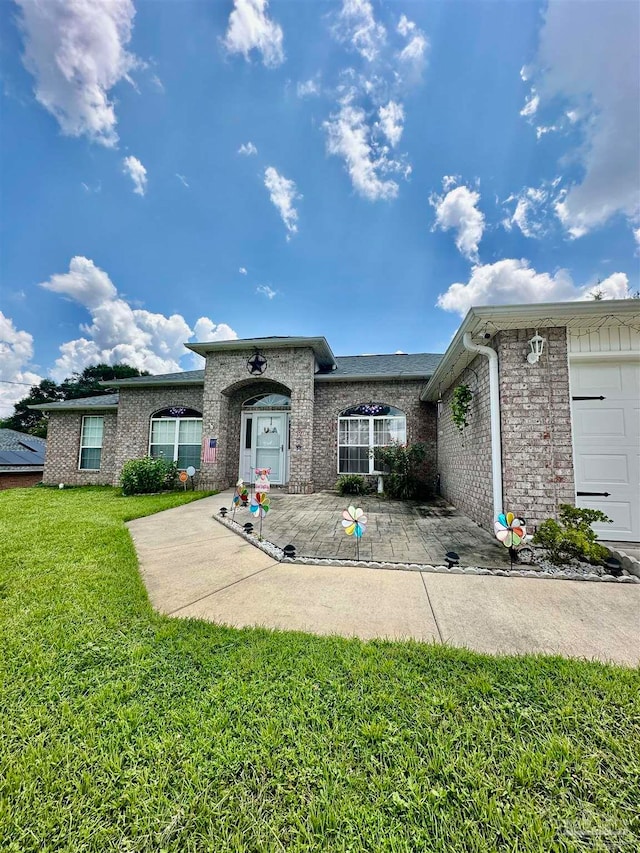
(122, 730)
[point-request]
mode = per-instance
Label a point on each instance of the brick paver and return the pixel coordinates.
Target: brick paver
(396, 531)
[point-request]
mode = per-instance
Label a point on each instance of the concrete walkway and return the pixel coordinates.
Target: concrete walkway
(194, 567)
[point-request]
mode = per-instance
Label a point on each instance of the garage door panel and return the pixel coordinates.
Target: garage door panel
(600, 422)
(589, 378)
(597, 469)
(606, 436)
(620, 514)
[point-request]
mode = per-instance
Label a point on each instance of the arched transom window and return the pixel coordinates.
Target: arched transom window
(363, 428)
(176, 435)
(268, 401)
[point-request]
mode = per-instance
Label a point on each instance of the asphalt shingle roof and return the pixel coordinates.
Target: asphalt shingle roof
(18, 450)
(420, 364)
(186, 376)
(102, 401)
(361, 366)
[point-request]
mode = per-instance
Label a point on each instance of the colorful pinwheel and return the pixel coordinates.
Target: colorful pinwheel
(510, 530)
(241, 494)
(354, 522)
(260, 504)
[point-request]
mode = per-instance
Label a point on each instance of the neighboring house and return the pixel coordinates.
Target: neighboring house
(559, 428)
(21, 459)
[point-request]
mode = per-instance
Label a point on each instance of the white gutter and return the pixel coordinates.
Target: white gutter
(494, 399)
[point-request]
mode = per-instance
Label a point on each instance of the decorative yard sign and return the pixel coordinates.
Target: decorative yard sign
(262, 484)
(354, 522)
(183, 477)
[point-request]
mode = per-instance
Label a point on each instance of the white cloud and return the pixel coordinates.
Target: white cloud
(206, 330)
(405, 26)
(182, 180)
(588, 61)
(368, 120)
(242, 271)
(76, 52)
(16, 353)
(531, 106)
(357, 25)
(247, 149)
(458, 210)
(119, 332)
(308, 88)
(265, 290)
(251, 29)
(413, 56)
(530, 214)
(133, 167)
(283, 193)
(392, 121)
(514, 282)
(349, 136)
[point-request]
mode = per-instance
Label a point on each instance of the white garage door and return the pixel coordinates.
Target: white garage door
(606, 438)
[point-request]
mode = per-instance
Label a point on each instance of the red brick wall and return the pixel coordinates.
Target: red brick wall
(535, 410)
(333, 397)
(19, 479)
(464, 458)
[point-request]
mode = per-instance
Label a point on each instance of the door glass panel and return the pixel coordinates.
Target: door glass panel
(269, 444)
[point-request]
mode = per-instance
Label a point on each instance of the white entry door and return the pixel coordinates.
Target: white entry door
(270, 444)
(606, 437)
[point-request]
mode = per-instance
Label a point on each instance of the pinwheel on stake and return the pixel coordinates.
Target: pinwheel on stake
(511, 531)
(260, 506)
(240, 496)
(354, 522)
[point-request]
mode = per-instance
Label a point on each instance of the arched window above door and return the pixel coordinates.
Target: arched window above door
(268, 401)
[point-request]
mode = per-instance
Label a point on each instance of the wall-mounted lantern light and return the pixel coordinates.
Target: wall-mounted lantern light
(536, 346)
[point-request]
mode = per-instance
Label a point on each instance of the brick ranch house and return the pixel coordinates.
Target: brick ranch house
(554, 426)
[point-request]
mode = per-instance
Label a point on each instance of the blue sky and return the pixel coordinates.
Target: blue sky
(359, 169)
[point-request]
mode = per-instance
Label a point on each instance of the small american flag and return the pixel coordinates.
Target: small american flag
(210, 450)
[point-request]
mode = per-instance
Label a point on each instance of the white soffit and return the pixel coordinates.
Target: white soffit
(488, 320)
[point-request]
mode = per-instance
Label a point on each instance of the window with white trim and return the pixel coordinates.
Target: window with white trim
(176, 435)
(363, 428)
(91, 443)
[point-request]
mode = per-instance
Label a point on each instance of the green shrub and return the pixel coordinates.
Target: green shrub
(351, 484)
(400, 463)
(148, 475)
(572, 537)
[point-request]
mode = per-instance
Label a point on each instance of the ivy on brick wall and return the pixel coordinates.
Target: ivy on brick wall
(460, 403)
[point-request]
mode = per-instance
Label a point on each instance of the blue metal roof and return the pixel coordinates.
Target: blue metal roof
(21, 449)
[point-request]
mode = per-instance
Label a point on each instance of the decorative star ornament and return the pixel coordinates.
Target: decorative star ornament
(257, 364)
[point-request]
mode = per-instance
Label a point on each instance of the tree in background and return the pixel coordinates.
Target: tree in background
(85, 384)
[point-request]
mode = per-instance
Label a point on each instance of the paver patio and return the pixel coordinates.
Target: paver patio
(396, 531)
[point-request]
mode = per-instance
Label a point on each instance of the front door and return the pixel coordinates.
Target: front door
(270, 441)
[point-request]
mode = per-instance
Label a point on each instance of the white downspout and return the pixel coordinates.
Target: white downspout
(494, 398)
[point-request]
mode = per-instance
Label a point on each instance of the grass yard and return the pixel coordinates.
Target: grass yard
(122, 730)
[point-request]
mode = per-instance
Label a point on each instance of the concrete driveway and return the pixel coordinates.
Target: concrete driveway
(195, 567)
